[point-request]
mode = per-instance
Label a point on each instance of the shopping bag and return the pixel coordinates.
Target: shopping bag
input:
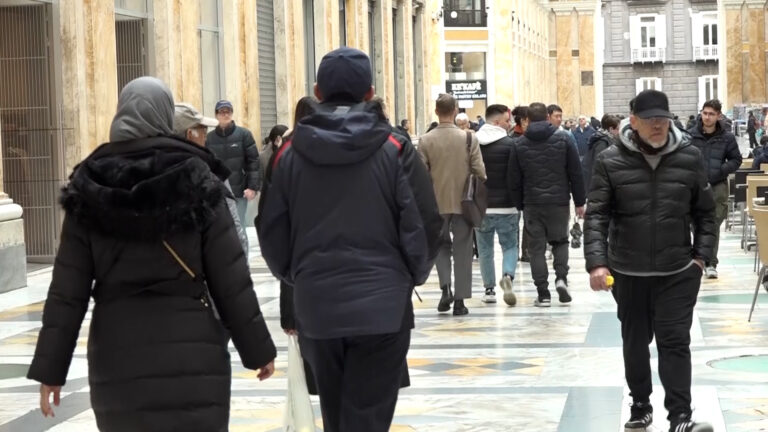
(299, 416)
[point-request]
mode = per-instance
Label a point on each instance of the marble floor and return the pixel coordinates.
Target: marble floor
(497, 369)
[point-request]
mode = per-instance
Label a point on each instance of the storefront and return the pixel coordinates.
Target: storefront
(466, 80)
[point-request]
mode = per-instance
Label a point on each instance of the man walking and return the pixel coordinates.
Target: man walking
(341, 222)
(234, 145)
(582, 133)
(444, 150)
(546, 172)
(600, 141)
(646, 194)
(721, 158)
(502, 217)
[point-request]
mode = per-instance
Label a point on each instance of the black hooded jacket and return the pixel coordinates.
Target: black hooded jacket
(157, 356)
(341, 223)
(598, 142)
(639, 219)
(546, 170)
(721, 155)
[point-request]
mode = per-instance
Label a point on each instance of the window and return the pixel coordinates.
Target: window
(464, 13)
(398, 64)
(132, 41)
(465, 66)
(209, 31)
(648, 83)
(342, 23)
(648, 37)
(704, 29)
(309, 45)
(707, 88)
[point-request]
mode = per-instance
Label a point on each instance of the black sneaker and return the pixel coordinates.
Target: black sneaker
(542, 302)
(459, 308)
(641, 416)
(683, 423)
(561, 285)
(445, 300)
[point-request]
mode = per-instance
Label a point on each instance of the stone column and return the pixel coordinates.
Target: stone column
(13, 254)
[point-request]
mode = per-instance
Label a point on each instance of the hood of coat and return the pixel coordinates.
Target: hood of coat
(489, 133)
(540, 131)
(341, 134)
(601, 136)
(675, 138)
(146, 189)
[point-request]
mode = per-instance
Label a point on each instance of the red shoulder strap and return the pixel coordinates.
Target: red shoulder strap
(396, 143)
(280, 152)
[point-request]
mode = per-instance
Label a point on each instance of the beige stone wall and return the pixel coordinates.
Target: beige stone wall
(746, 52)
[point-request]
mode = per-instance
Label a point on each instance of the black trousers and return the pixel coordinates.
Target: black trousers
(358, 379)
(547, 224)
(660, 306)
(752, 139)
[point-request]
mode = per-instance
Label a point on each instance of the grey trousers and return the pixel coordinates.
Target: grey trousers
(460, 249)
(547, 224)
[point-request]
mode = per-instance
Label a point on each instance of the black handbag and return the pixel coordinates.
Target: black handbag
(474, 200)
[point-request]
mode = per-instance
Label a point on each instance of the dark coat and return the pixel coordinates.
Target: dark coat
(582, 138)
(639, 219)
(498, 169)
(547, 170)
(597, 143)
(236, 147)
(721, 155)
(157, 356)
(341, 223)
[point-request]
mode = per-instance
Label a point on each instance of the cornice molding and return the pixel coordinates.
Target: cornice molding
(565, 7)
(734, 4)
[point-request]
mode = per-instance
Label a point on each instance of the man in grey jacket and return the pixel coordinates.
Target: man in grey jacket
(190, 125)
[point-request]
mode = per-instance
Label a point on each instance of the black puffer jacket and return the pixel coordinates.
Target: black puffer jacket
(546, 170)
(496, 147)
(236, 147)
(157, 356)
(341, 223)
(721, 152)
(638, 219)
(597, 143)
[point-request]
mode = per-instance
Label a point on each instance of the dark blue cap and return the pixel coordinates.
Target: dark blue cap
(344, 73)
(223, 104)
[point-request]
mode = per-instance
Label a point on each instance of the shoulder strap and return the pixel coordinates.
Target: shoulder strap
(179, 260)
(469, 151)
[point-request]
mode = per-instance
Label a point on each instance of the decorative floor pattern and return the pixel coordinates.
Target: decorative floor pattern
(496, 369)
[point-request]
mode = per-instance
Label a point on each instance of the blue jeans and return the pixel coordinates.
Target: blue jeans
(506, 226)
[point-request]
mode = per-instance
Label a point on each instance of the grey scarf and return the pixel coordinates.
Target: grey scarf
(144, 109)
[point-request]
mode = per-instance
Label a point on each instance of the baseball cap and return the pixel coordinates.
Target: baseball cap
(185, 117)
(651, 103)
(223, 104)
(345, 72)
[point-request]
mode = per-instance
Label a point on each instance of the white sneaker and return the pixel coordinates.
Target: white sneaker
(711, 273)
(490, 296)
(506, 286)
(562, 291)
(542, 302)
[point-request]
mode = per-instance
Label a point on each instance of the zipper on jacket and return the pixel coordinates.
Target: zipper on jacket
(653, 217)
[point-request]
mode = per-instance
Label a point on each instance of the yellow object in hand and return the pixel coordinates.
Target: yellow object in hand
(609, 280)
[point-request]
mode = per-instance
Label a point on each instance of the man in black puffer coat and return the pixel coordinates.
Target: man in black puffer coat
(234, 145)
(341, 223)
(721, 157)
(646, 194)
(546, 173)
(598, 142)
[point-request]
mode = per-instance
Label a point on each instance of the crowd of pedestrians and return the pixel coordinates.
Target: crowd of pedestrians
(352, 218)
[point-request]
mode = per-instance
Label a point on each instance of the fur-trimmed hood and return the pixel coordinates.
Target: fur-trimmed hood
(145, 189)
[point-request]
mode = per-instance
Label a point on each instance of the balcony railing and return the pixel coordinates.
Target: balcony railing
(705, 52)
(465, 18)
(652, 54)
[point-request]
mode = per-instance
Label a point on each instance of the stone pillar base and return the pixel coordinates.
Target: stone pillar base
(13, 254)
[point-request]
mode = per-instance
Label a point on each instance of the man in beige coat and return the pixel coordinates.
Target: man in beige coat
(444, 151)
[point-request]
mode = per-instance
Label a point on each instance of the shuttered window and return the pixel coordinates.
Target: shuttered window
(265, 17)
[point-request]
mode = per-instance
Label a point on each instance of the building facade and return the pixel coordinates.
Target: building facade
(667, 45)
(63, 63)
(517, 52)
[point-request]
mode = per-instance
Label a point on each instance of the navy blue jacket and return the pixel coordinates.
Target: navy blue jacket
(547, 170)
(582, 138)
(341, 223)
(721, 155)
